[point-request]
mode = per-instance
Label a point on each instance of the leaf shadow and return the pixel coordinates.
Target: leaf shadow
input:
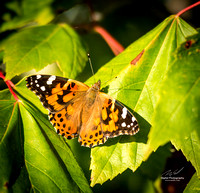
(105, 89)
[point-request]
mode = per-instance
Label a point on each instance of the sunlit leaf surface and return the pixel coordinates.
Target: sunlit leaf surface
(136, 85)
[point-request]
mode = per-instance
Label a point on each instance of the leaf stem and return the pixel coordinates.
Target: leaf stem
(115, 46)
(9, 85)
(187, 8)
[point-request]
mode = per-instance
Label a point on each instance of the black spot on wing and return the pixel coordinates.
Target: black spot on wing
(106, 121)
(73, 84)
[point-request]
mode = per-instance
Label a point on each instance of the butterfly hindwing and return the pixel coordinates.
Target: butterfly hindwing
(63, 126)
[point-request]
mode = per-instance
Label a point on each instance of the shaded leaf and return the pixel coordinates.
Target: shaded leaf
(32, 6)
(136, 86)
(28, 12)
(22, 183)
(154, 166)
(36, 47)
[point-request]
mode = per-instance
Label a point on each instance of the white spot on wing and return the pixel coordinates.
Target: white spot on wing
(49, 82)
(36, 81)
(42, 88)
(123, 124)
(133, 119)
(37, 85)
(38, 76)
(124, 113)
(51, 79)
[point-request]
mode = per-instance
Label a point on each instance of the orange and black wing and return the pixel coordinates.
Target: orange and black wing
(59, 96)
(116, 118)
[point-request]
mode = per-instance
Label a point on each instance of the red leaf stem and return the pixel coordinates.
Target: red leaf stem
(187, 8)
(10, 85)
(115, 46)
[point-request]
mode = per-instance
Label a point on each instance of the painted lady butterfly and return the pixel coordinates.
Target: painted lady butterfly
(76, 109)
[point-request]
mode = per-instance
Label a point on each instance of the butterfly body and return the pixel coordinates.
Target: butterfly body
(92, 94)
(78, 110)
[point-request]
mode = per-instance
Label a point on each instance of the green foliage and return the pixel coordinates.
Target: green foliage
(46, 156)
(27, 12)
(194, 185)
(137, 86)
(179, 99)
(161, 88)
(183, 98)
(60, 44)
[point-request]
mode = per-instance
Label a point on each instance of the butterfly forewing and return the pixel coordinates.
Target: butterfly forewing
(54, 92)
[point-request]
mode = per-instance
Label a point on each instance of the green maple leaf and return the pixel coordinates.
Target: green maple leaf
(136, 83)
(177, 113)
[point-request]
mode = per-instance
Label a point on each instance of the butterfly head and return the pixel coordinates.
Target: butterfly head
(97, 85)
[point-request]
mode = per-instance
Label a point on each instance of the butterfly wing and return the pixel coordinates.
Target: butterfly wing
(108, 118)
(60, 96)
(116, 118)
(55, 92)
(66, 122)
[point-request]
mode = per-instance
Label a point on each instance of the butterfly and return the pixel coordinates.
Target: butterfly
(76, 109)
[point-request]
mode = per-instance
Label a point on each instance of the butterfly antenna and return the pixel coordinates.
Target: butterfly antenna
(89, 59)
